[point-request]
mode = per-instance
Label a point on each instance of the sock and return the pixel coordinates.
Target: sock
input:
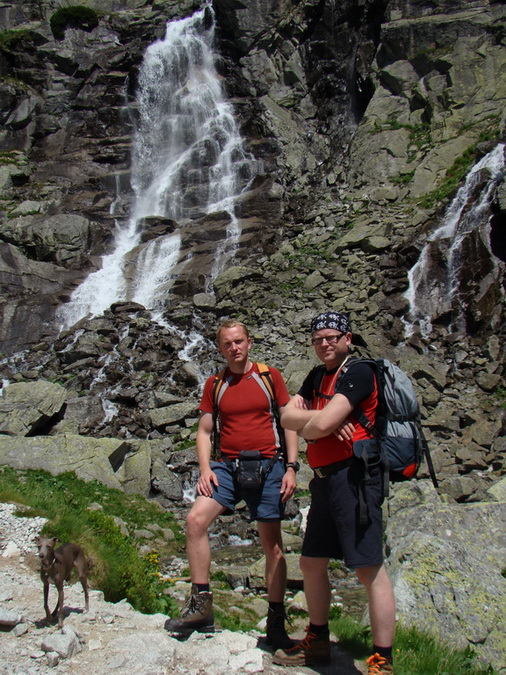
(385, 652)
(276, 605)
(202, 588)
(319, 630)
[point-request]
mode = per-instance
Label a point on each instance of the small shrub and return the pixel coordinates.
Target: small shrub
(76, 16)
(10, 39)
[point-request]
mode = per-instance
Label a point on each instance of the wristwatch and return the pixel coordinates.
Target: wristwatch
(293, 465)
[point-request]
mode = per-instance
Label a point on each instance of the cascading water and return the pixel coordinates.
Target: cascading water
(436, 287)
(188, 160)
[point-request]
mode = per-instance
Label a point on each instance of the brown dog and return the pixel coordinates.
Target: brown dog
(56, 566)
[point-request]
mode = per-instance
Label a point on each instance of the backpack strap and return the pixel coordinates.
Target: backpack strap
(264, 380)
(220, 385)
(360, 450)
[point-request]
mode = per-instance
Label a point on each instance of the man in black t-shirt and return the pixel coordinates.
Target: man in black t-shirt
(322, 413)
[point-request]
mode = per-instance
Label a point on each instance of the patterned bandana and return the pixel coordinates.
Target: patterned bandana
(338, 321)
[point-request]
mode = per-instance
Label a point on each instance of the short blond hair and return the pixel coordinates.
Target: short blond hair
(230, 323)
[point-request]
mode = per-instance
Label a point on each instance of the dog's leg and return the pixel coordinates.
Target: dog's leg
(81, 565)
(59, 606)
(84, 584)
(46, 599)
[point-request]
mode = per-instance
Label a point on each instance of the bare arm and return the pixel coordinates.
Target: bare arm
(289, 482)
(294, 415)
(326, 421)
(204, 446)
(297, 416)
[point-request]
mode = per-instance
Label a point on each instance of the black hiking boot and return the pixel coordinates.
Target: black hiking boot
(197, 615)
(276, 632)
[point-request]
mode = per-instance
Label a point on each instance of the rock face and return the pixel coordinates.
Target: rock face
(362, 121)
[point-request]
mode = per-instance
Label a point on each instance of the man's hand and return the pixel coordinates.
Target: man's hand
(298, 402)
(205, 483)
(345, 431)
(288, 485)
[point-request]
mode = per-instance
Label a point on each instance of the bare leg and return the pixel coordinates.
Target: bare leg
(381, 603)
(275, 563)
(316, 588)
(204, 511)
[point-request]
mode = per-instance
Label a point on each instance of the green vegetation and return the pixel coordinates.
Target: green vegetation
(117, 567)
(415, 652)
(10, 39)
(236, 618)
(403, 178)
(453, 178)
(8, 158)
(76, 16)
(500, 396)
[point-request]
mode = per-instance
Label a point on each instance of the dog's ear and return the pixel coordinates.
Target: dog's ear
(56, 540)
(37, 540)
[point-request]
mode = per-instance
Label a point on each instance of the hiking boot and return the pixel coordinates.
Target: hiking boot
(312, 650)
(197, 615)
(276, 632)
(379, 665)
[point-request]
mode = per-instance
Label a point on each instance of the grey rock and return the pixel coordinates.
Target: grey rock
(65, 645)
(26, 408)
(441, 575)
(115, 463)
(9, 618)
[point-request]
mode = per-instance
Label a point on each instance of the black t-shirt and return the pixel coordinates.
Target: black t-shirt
(356, 383)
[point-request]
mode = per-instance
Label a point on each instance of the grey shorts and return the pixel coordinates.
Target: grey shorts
(263, 505)
(333, 524)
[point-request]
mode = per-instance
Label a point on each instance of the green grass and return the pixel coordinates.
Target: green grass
(415, 652)
(118, 569)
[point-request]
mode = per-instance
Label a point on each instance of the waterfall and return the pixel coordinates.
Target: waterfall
(188, 160)
(437, 282)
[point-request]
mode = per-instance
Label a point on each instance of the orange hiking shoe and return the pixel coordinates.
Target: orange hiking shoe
(312, 650)
(378, 665)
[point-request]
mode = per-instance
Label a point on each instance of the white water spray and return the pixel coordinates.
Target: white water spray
(187, 160)
(429, 293)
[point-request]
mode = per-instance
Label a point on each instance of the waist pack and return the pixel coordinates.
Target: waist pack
(249, 472)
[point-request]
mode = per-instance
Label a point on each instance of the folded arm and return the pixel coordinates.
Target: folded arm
(313, 424)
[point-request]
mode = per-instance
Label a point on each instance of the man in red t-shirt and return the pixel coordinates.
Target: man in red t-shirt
(323, 414)
(246, 423)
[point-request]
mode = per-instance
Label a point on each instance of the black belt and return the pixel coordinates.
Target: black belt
(322, 471)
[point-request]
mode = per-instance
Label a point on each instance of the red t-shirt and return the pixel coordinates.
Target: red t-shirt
(359, 386)
(245, 413)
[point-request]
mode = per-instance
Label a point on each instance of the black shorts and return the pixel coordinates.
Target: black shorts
(333, 524)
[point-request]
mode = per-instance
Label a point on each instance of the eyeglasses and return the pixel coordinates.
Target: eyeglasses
(330, 339)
